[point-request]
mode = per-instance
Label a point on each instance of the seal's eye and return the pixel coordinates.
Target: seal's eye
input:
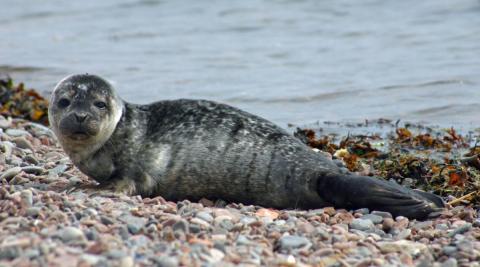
(63, 103)
(100, 104)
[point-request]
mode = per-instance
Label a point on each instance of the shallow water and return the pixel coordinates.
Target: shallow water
(290, 61)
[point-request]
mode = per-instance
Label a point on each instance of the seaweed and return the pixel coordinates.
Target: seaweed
(18, 102)
(437, 160)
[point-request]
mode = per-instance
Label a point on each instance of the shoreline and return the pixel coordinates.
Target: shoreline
(40, 224)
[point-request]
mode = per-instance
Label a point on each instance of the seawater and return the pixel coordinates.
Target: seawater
(290, 61)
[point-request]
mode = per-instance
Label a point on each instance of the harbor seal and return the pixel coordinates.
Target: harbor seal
(193, 149)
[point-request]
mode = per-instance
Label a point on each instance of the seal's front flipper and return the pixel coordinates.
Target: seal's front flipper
(353, 191)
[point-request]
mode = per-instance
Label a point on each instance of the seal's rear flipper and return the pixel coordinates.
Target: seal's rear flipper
(353, 191)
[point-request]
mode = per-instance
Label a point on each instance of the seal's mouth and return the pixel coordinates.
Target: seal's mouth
(79, 136)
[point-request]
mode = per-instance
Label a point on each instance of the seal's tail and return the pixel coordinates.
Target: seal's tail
(353, 191)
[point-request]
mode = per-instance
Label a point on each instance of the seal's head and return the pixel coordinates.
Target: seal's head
(83, 112)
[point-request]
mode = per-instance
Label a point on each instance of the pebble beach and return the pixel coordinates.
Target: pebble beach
(43, 223)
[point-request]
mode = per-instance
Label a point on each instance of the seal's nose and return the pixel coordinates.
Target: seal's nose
(80, 117)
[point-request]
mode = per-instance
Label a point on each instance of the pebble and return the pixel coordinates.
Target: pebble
(382, 214)
(31, 159)
(422, 225)
(404, 234)
(134, 224)
(376, 219)
(106, 220)
(242, 241)
(16, 132)
(166, 262)
(33, 211)
(204, 216)
(388, 224)
(412, 248)
(22, 143)
(194, 229)
(27, 197)
(290, 242)
(181, 225)
(72, 235)
(58, 169)
(10, 173)
(248, 220)
(362, 225)
(134, 228)
(91, 259)
(127, 262)
(451, 262)
(39, 224)
(4, 123)
(461, 229)
(200, 222)
(441, 227)
(34, 170)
